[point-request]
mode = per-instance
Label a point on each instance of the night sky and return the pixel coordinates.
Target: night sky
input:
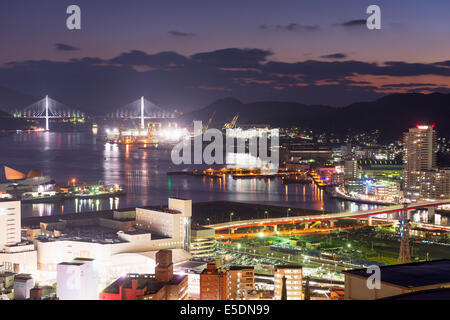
(186, 54)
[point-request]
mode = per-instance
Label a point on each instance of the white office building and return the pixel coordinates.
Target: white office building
(15, 255)
(117, 253)
(77, 280)
(9, 223)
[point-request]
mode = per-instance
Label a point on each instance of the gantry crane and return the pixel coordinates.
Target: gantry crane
(232, 124)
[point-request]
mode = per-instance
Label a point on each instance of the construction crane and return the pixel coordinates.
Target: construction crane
(232, 124)
(205, 127)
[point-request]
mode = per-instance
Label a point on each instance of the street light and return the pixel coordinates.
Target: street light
(288, 210)
(231, 216)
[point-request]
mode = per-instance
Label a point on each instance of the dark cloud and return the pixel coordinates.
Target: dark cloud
(354, 23)
(89, 60)
(181, 34)
(407, 85)
(338, 55)
(162, 59)
(172, 80)
(65, 47)
(290, 27)
(232, 57)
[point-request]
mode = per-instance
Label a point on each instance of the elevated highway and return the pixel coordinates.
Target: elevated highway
(326, 217)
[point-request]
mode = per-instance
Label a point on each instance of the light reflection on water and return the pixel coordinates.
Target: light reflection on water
(143, 174)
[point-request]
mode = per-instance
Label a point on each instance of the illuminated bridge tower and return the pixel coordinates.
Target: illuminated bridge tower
(405, 254)
(142, 113)
(47, 109)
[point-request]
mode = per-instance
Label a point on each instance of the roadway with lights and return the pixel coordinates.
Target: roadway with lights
(326, 217)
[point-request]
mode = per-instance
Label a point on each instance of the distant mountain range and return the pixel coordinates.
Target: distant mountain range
(11, 100)
(392, 114)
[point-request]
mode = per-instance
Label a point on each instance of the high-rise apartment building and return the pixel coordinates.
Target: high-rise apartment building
(351, 169)
(420, 149)
(422, 179)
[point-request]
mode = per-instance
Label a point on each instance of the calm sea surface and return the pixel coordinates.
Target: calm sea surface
(143, 174)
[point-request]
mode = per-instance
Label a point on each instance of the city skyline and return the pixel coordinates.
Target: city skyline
(224, 151)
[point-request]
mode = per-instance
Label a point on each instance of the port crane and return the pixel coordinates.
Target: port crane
(232, 124)
(205, 127)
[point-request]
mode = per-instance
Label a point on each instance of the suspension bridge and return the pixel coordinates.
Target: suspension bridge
(48, 108)
(141, 109)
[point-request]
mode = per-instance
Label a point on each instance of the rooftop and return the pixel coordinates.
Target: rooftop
(144, 281)
(411, 275)
(160, 209)
(200, 228)
(71, 263)
(241, 267)
(289, 266)
(433, 294)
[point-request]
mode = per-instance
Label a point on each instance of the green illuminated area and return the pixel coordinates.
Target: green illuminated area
(325, 255)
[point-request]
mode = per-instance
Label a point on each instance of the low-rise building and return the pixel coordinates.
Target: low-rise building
(7, 284)
(240, 281)
(397, 279)
(23, 283)
(213, 283)
(202, 242)
(163, 285)
(77, 280)
(293, 275)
